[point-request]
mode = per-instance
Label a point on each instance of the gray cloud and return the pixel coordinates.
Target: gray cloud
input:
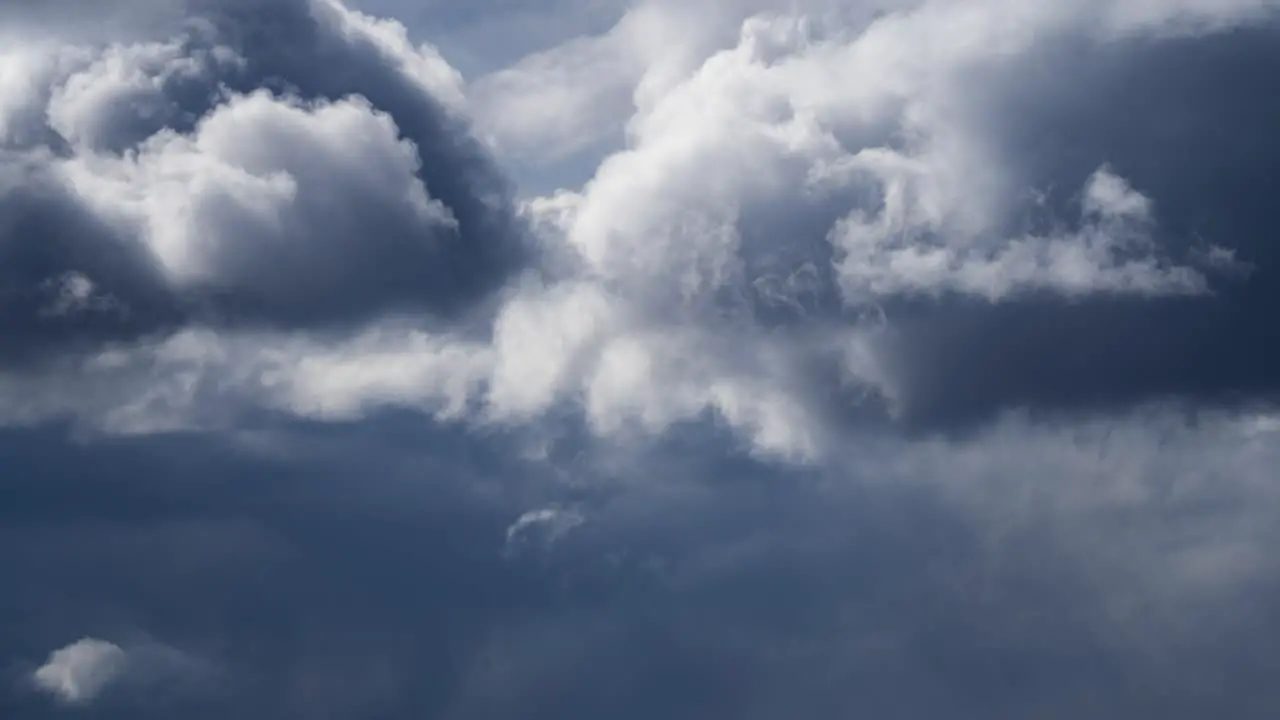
(288, 164)
(942, 204)
(162, 539)
(80, 671)
(1101, 567)
(786, 252)
(1119, 566)
(1187, 122)
(48, 234)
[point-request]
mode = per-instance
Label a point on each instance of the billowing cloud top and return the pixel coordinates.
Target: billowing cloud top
(946, 210)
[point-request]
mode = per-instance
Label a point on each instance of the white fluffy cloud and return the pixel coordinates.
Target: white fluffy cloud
(238, 204)
(732, 148)
(789, 113)
(79, 672)
(290, 203)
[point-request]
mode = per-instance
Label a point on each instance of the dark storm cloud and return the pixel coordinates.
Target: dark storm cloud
(276, 570)
(782, 597)
(359, 572)
(48, 240)
(346, 241)
(284, 44)
(1191, 124)
(312, 581)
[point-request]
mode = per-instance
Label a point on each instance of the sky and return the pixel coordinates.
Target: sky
(743, 359)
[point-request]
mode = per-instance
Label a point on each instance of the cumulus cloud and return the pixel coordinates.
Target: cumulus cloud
(991, 276)
(224, 214)
(80, 671)
(813, 216)
(215, 175)
(821, 168)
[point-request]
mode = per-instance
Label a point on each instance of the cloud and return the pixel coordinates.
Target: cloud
(487, 35)
(1097, 353)
(869, 196)
(1121, 554)
(82, 670)
(224, 214)
(818, 220)
(541, 527)
(319, 174)
(352, 569)
(913, 362)
(252, 583)
(572, 96)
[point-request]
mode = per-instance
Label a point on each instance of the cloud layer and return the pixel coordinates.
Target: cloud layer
(826, 196)
(1118, 566)
(735, 359)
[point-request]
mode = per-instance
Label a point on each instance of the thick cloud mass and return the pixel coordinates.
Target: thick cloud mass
(726, 359)
(1048, 208)
(813, 219)
(1118, 567)
(1185, 120)
(289, 163)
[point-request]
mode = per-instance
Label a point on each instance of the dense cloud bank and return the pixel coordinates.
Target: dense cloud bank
(949, 210)
(1117, 567)
(910, 360)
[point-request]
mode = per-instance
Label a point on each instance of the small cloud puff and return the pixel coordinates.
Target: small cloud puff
(79, 672)
(90, 668)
